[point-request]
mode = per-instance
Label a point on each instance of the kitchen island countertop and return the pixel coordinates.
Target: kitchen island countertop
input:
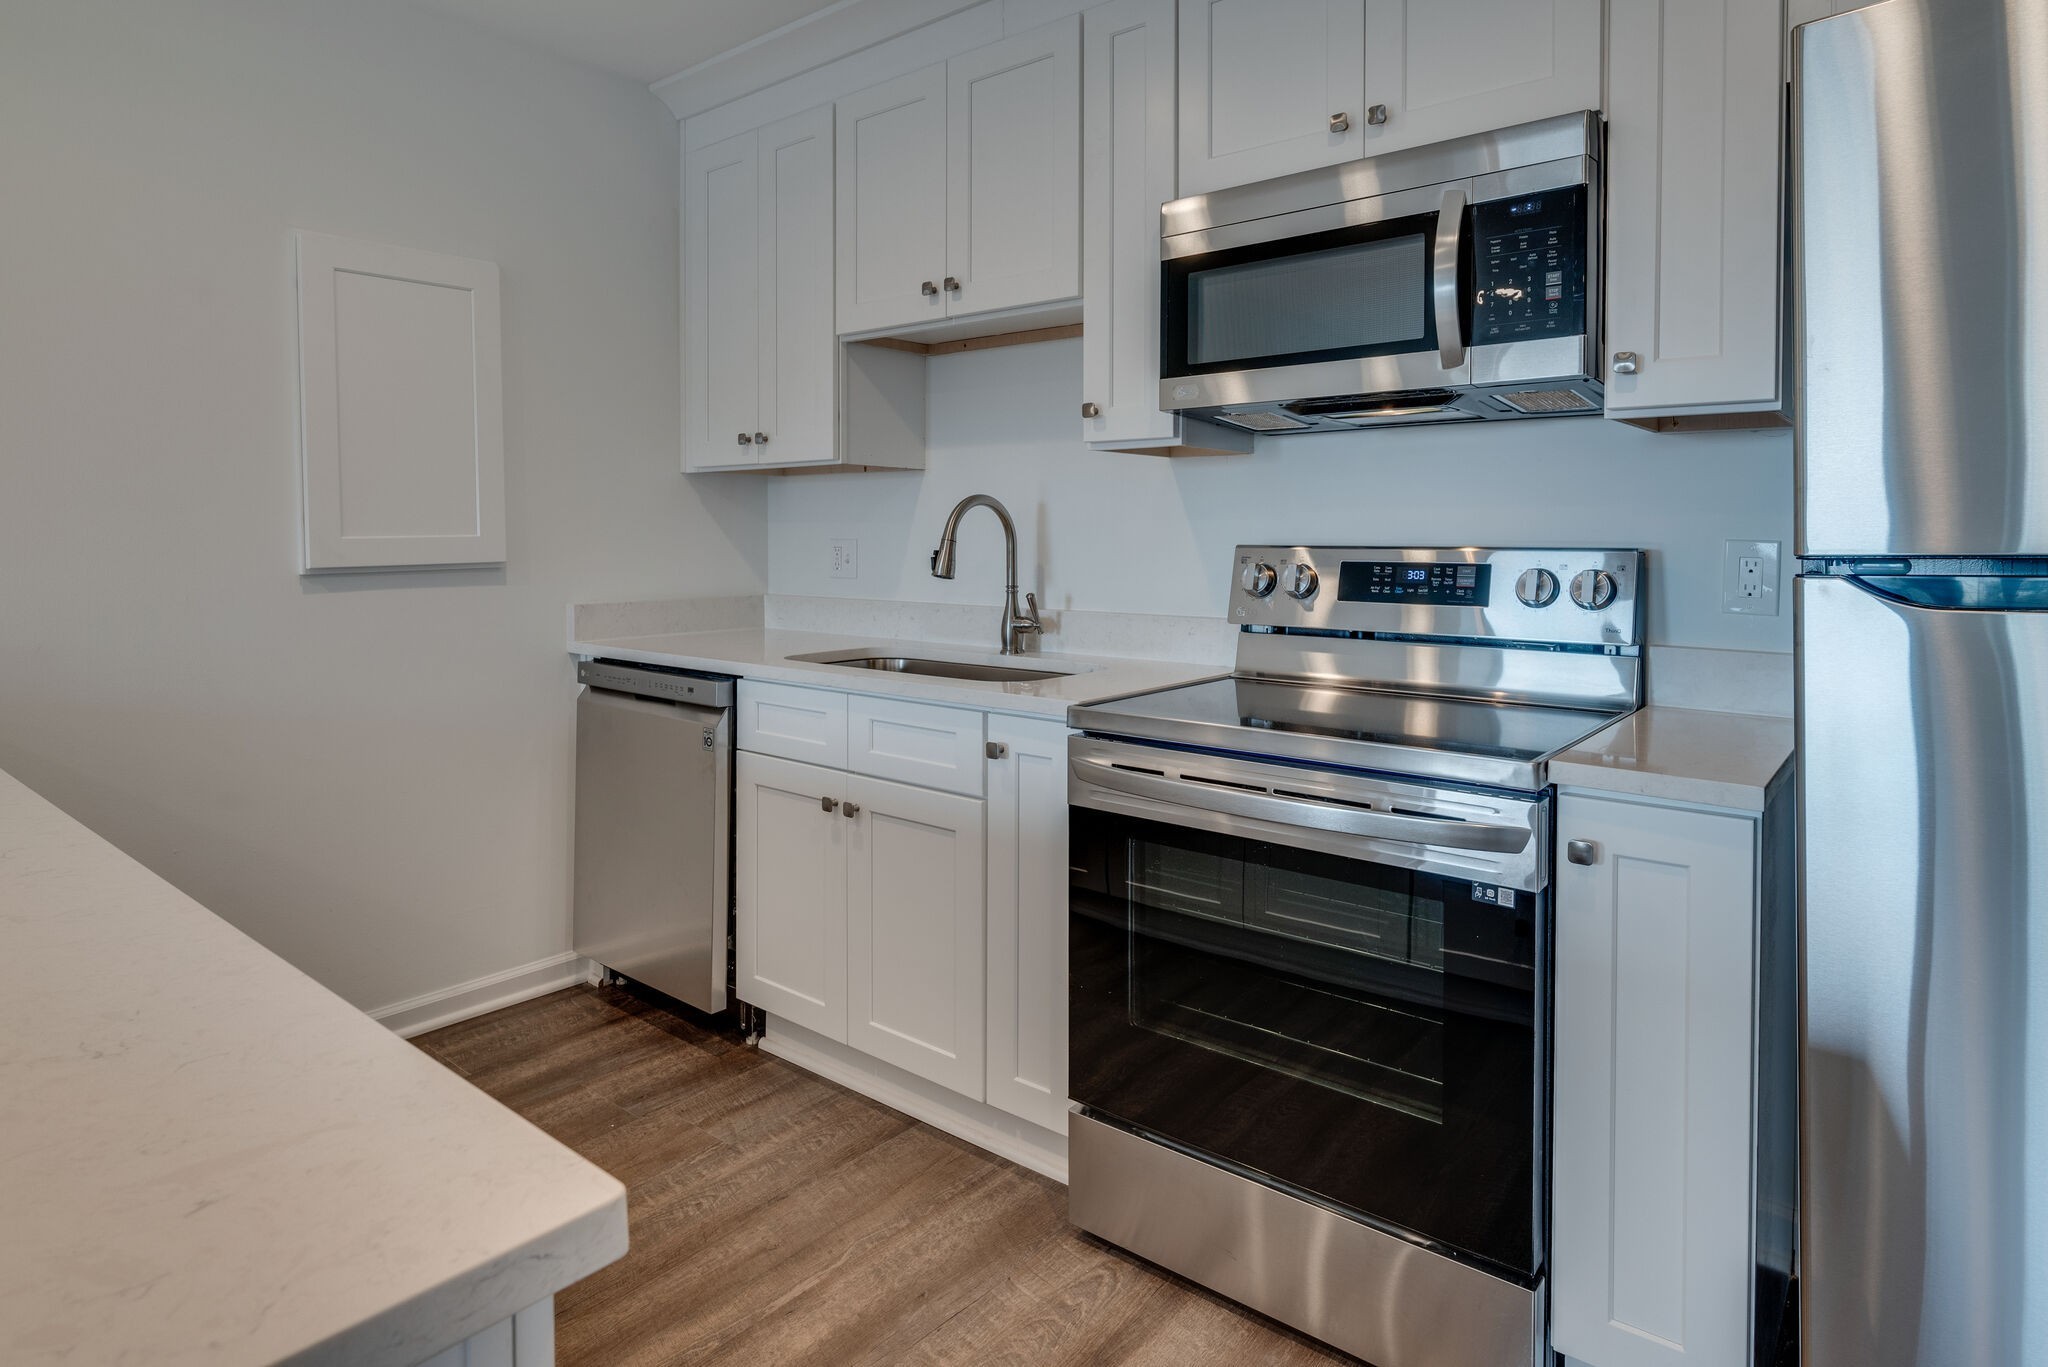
(208, 1158)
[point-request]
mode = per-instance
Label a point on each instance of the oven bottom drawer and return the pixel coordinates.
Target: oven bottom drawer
(1368, 1293)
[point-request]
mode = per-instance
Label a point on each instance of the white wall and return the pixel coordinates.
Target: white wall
(1122, 533)
(371, 775)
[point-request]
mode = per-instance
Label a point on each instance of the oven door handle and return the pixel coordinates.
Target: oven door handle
(1450, 241)
(1305, 812)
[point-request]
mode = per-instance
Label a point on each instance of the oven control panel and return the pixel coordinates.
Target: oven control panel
(1539, 596)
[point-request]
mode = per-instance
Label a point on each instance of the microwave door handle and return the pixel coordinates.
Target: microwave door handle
(1287, 811)
(1450, 234)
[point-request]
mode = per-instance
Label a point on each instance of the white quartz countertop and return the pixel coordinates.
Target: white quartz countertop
(1709, 759)
(208, 1158)
(765, 653)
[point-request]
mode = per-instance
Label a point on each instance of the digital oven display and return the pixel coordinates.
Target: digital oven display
(1376, 581)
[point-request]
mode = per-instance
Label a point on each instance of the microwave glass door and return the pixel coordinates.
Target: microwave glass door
(1363, 1034)
(1351, 292)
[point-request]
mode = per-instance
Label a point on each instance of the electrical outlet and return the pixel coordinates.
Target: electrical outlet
(1749, 578)
(844, 564)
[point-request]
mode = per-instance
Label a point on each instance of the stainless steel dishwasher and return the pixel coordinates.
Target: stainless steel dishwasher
(654, 827)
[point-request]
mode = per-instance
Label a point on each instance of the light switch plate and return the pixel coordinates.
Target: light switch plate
(845, 564)
(1749, 578)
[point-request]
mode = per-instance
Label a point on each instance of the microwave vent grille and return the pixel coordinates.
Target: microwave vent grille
(1263, 422)
(1547, 401)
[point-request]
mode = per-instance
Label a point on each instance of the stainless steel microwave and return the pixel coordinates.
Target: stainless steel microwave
(1449, 283)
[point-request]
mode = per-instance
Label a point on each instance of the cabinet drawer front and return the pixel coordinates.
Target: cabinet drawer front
(913, 742)
(807, 724)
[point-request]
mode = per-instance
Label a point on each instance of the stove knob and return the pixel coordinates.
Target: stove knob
(1536, 588)
(1592, 589)
(1258, 578)
(1302, 581)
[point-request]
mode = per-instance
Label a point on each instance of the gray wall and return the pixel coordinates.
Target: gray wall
(370, 775)
(1126, 533)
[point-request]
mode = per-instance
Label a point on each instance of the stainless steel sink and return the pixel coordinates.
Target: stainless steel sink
(943, 669)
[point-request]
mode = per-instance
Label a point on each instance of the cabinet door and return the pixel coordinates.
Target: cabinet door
(721, 305)
(1127, 102)
(914, 925)
(1695, 147)
(790, 881)
(1027, 920)
(799, 353)
(891, 211)
(1013, 171)
(1259, 82)
(1423, 63)
(1651, 1173)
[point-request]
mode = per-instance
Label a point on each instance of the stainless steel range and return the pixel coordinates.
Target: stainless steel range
(1310, 929)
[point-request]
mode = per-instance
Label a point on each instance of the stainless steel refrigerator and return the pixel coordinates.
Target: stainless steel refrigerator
(1921, 169)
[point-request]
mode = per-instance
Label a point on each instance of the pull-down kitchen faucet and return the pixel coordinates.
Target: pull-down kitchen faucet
(1016, 621)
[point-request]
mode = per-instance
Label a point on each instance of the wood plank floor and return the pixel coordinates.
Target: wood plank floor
(779, 1220)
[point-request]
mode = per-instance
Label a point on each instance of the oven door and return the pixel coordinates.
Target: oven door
(1335, 984)
(1350, 299)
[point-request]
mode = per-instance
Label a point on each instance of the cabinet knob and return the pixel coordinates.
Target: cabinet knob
(1376, 115)
(953, 284)
(1582, 852)
(760, 439)
(1091, 410)
(828, 804)
(995, 749)
(1340, 123)
(930, 289)
(746, 440)
(852, 810)
(1626, 362)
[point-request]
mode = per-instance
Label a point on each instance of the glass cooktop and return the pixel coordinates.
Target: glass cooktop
(1478, 742)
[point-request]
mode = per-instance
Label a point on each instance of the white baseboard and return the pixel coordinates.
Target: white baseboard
(978, 1123)
(432, 1010)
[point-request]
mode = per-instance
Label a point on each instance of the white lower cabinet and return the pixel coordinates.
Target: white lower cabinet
(914, 917)
(921, 927)
(1027, 920)
(1669, 1174)
(790, 891)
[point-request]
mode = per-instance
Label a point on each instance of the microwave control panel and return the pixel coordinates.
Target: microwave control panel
(1529, 266)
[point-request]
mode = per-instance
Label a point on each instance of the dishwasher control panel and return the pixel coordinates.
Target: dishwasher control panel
(662, 682)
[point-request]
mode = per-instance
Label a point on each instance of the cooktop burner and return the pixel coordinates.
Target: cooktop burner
(1458, 663)
(1454, 738)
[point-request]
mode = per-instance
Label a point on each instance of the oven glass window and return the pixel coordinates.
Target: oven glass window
(1363, 1033)
(1359, 295)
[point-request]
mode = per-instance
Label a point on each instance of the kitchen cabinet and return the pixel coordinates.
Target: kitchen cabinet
(884, 905)
(1027, 919)
(959, 186)
(765, 382)
(1271, 87)
(790, 891)
(758, 380)
(1434, 80)
(914, 918)
(1673, 1128)
(1129, 170)
(1695, 213)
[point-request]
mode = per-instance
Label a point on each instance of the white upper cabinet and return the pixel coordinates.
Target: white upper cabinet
(722, 335)
(1695, 152)
(798, 352)
(1128, 171)
(960, 185)
(1271, 87)
(1439, 69)
(1013, 171)
(1265, 86)
(892, 203)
